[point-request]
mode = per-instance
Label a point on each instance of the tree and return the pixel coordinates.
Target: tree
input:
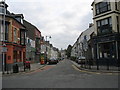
(68, 51)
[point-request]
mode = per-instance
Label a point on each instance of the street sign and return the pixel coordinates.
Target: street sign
(4, 49)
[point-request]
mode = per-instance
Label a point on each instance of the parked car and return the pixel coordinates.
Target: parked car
(52, 61)
(81, 60)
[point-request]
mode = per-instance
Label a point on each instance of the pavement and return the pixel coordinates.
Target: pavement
(34, 66)
(102, 69)
(0, 73)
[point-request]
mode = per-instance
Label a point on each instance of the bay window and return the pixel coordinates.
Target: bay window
(104, 26)
(102, 7)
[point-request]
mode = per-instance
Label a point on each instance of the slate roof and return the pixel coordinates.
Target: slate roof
(30, 29)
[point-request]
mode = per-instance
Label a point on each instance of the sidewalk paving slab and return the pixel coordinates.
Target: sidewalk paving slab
(34, 66)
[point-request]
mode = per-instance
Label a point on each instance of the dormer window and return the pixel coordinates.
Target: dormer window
(19, 17)
(102, 7)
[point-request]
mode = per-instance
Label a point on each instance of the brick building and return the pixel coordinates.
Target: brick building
(13, 38)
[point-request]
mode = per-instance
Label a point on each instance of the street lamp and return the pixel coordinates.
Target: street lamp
(46, 48)
(3, 44)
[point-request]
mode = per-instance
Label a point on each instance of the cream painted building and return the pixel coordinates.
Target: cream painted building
(81, 45)
(54, 53)
(106, 16)
(73, 51)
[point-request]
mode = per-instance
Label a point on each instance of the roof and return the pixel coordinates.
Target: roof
(17, 15)
(87, 33)
(31, 29)
(8, 15)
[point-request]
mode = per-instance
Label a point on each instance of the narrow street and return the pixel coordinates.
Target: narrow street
(61, 75)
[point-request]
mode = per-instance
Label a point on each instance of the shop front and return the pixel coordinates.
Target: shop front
(107, 49)
(15, 55)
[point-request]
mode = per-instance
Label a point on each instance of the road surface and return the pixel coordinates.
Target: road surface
(62, 75)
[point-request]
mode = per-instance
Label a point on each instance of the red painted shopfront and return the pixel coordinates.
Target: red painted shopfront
(15, 43)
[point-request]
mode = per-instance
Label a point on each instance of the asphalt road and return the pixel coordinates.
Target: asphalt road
(62, 75)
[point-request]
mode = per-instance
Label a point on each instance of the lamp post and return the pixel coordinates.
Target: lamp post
(3, 44)
(46, 48)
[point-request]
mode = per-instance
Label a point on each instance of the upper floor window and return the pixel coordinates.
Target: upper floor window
(19, 19)
(102, 7)
(15, 35)
(104, 26)
(6, 31)
(116, 6)
(22, 37)
(117, 23)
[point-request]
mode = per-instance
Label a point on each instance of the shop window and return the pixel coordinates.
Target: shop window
(107, 50)
(20, 56)
(119, 50)
(24, 57)
(15, 56)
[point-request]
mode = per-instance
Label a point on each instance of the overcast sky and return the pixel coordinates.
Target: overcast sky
(63, 20)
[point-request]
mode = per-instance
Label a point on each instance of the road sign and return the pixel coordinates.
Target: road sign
(4, 49)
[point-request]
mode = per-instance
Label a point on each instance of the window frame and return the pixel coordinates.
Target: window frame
(117, 19)
(22, 37)
(100, 7)
(6, 31)
(15, 35)
(105, 28)
(2, 10)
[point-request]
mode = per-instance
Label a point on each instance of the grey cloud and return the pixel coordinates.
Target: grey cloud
(84, 23)
(60, 18)
(62, 40)
(68, 15)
